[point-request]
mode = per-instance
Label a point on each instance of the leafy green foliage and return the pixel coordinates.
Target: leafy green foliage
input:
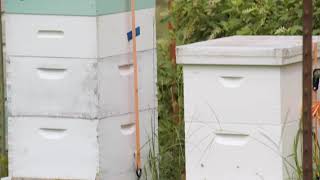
(197, 20)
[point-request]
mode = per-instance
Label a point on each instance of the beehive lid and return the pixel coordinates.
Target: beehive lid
(73, 7)
(244, 50)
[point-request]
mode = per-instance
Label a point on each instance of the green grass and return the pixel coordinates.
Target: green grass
(171, 159)
(3, 166)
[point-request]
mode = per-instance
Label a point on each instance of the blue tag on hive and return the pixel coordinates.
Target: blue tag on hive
(129, 34)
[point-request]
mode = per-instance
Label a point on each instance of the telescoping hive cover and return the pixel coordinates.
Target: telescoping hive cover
(74, 7)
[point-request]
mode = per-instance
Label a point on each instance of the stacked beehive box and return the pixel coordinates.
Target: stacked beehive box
(243, 98)
(70, 87)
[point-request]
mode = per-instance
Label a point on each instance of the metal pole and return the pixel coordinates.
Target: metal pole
(2, 97)
(173, 41)
(307, 90)
(172, 52)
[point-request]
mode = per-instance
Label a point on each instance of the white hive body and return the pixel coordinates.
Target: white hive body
(51, 36)
(77, 36)
(113, 29)
(70, 94)
(239, 151)
(117, 98)
(242, 98)
(53, 148)
(119, 132)
(81, 88)
(58, 87)
(250, 94)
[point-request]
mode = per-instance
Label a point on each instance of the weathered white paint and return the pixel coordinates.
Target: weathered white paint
(233, 88)
(117, 144)
(57, 87)
(77, 36)
(53, 148)
(115, 88)
(68, 87)
(244, 50)
(78, 39)
(239, 151)
(113, 29)
(61, 148)
(243, 94)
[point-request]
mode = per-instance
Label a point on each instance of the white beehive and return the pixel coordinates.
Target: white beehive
(242, 98)
(70, 93)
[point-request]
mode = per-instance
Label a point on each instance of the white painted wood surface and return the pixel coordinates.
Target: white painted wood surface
(56, 148)
(113, 29)
(242, 95)
(54, 87)
(244, 50)
(239, 151)
(79, 88)
(70, 97)
(115, 77)
(77, 36)
(116, 136)
(51, 36)
(42, 147)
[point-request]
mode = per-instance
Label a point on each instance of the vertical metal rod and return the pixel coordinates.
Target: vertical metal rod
(307, 90)
(2, 96)
(172, 52)
(173, 41)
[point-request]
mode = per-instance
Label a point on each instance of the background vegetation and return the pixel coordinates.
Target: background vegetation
(197, 20)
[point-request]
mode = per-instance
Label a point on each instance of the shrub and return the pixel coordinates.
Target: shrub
(197, 20)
